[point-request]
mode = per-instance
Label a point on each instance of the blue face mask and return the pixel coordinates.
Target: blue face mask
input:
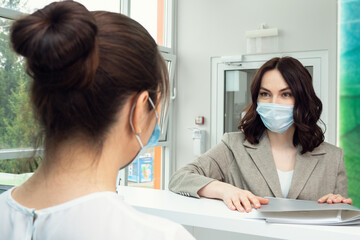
(276, 117)
(154, 138)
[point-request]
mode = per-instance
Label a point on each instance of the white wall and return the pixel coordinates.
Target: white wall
(209, 28)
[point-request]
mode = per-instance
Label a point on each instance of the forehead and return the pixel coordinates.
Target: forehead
(273, 80)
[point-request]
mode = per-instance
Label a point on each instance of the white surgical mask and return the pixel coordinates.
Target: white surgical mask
(276, 117)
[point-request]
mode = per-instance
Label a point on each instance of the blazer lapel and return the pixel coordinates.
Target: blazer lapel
(263, 159)
(304, 166)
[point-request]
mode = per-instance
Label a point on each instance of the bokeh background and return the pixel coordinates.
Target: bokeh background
(349, 92)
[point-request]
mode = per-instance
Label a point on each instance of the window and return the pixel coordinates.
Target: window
(146, 171)
(157, 17)
(29, 6)
(17, 127)
(16, 118)
(152, 170)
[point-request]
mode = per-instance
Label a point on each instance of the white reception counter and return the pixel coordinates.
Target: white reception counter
(214, 215)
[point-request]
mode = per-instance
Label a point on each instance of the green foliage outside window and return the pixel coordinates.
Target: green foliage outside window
(17, 125)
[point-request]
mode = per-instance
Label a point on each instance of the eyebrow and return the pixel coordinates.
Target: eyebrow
(265, 89)
(281, 90)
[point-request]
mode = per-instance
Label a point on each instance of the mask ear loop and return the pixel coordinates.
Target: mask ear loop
(158, 120)
(152, 104)
(157, 115)
(137, 135)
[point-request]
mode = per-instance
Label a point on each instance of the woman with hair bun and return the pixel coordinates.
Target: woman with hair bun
(98, 84)
(279, 151)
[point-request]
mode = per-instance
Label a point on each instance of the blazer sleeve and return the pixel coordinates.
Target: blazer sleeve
(210, 166)
(341, 179)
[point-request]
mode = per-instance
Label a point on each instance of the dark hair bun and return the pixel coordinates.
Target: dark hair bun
(59, 44)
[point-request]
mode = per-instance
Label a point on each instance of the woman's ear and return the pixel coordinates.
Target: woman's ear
(140, 112)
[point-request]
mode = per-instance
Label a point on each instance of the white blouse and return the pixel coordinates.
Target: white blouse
(285, 181)
(101, 215)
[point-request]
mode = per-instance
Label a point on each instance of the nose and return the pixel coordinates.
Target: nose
(276, 99)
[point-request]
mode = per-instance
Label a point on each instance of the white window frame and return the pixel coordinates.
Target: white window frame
(10, 13)
(317, 59)
(167, 153)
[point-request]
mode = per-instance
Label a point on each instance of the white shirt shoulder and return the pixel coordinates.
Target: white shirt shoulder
(101, 215)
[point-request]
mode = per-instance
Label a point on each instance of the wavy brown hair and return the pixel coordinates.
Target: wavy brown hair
(307, 108)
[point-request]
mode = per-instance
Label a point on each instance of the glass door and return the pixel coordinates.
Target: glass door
(236, 96)
(230, 95)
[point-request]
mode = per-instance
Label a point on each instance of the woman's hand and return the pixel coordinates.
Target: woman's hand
(335, 198)
(240, 200)
(234, 198)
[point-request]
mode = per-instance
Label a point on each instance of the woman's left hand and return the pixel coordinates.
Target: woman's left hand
(335, 198)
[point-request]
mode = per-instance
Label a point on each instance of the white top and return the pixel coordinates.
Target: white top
(101, 215)
(285, 181)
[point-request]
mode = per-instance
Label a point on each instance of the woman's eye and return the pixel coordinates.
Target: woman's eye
(286, 94)
(264, 94)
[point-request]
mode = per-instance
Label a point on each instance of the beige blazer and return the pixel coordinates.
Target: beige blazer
(251, 167)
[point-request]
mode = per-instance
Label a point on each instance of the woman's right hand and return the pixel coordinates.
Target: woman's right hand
(241, 200)
(234, 198)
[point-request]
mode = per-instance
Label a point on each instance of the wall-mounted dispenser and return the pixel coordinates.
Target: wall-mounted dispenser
(199, 141)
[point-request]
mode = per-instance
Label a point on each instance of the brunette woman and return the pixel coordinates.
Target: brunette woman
(278, 152)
